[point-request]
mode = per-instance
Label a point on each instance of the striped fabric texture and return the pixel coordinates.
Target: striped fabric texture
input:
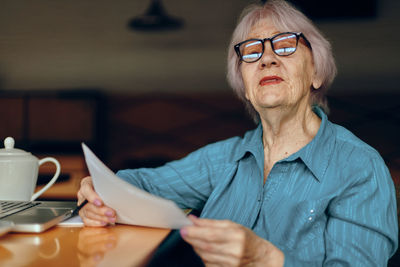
(332, 203)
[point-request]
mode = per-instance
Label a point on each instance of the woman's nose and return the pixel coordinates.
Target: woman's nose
(268, 58)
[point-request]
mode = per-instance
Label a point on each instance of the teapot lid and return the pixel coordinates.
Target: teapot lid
(9, 149)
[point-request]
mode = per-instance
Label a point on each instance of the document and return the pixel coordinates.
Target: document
(133, 205)
(74, 221)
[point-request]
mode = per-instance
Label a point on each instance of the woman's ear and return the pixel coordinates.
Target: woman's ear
(317, 82)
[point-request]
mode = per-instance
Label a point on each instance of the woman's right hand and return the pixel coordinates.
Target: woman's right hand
(94, 213)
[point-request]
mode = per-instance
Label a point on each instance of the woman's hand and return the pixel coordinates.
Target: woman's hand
(94, 213)
(225, 243)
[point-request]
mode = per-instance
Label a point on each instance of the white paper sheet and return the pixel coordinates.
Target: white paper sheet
(74, 221)
(133, 205)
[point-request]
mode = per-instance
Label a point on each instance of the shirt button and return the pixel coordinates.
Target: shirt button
(312, 211)
(310, 218)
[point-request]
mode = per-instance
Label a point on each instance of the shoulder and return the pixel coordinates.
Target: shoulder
(230, 149)
(354, 157)
(348, 144)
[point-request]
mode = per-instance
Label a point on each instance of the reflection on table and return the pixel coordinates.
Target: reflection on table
(119, 245)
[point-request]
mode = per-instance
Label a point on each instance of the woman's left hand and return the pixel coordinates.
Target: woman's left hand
(225, 243)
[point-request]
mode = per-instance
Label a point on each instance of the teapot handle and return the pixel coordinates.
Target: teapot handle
(52, 181)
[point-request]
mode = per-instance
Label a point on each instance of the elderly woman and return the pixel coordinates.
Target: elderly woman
(298, 189)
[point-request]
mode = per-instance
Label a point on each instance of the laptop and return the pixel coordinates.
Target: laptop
(33, 216)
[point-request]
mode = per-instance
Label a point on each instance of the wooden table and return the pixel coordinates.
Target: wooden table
(120, 245)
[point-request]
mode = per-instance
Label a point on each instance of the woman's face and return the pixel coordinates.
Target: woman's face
(278, 81)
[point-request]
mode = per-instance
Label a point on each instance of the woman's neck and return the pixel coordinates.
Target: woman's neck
(288, 130)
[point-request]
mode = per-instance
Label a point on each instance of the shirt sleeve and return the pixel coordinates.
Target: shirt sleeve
(362, 229)
(188, 181)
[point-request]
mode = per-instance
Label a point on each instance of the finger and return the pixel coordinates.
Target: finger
(79, 197)
(80, 194)
(209, 222)
(223, 254)
(104, 214)
(204, 234)
(95, 209)
(97, 217)
(214, 234)
(229, 249)
(93, 223)
(101, 211)
(212, 259)
(200, 244)
(87, 192)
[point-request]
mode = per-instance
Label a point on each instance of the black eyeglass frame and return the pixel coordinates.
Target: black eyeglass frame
(297, 34)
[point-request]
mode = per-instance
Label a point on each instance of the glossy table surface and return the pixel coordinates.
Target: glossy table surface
(119, 245)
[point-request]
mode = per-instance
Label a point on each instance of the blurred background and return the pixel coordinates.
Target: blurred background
(143, 82)
(87, 44)
(143, 90)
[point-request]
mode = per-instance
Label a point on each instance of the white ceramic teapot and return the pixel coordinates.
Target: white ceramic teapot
(19, 172)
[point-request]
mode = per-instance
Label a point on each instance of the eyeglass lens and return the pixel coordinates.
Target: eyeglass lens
(282, 44)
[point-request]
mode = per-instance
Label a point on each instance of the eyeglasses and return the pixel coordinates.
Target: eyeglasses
(283, 44)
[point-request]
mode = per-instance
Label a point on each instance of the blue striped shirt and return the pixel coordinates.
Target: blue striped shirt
(330, 203)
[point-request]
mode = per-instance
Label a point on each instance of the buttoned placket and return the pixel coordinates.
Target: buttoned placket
(268, 189)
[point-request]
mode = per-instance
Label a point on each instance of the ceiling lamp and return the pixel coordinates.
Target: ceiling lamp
(155, 19)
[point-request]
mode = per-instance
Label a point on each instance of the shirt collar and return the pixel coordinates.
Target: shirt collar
(251, 143)
(315, 154)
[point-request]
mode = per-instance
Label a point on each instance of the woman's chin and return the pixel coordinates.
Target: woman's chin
(270, 102)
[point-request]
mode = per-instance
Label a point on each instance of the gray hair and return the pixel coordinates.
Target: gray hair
(285, 18)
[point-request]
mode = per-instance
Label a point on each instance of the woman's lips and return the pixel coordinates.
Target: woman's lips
(268, 80)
